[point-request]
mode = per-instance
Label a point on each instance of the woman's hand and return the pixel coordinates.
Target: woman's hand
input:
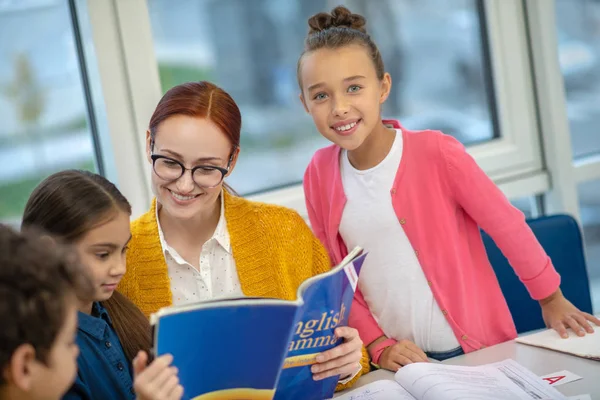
(342, 360)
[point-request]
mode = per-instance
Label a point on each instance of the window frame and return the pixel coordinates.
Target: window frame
(567, 172)
(131, 87)
(542, 20)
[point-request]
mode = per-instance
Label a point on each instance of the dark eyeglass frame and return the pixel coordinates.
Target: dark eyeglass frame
(223, 171)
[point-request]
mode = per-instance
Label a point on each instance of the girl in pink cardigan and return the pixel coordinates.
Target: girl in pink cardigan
(415, 201)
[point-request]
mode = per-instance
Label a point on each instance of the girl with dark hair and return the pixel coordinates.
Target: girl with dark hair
(88, 212)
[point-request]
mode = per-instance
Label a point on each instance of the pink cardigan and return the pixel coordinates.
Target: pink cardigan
(441, 197)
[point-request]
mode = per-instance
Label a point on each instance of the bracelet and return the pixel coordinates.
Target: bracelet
(378, 350)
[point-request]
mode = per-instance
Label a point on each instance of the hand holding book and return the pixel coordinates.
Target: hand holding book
(157, 380)
(275, 342)
(342, 360)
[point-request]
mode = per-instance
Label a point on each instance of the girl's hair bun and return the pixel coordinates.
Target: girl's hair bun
(339, 17)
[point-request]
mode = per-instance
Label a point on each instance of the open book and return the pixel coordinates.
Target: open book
(256, 348)
(506, 380)
(587, 346)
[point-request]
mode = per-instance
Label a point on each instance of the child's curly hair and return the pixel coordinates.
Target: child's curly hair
(37, 279)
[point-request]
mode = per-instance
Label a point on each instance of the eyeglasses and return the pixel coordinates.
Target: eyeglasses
(205, 176)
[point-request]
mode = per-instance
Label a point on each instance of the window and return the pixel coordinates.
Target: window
(435, 51)
(578, 34)
(578, 37)
(589, 203)
(45, 122)
(529, 206)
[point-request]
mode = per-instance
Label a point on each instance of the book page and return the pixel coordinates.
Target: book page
(587, 346)
(351, 264)
(527, 380)
(450, 382)
(378, 390)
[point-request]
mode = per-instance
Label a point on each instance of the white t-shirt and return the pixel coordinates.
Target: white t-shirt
(391, 280)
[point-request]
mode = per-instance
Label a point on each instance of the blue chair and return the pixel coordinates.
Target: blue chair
(560, 237)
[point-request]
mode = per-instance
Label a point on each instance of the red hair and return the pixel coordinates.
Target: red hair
(203, 100)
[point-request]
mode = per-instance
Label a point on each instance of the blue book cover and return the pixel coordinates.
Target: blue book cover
(259, 349)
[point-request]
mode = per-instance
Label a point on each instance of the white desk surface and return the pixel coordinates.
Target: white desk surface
(539, 361)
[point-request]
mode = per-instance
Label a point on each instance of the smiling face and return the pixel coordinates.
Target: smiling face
(342, 93)
(193, 142)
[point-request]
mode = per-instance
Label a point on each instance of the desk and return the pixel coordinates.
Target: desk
(539, 361)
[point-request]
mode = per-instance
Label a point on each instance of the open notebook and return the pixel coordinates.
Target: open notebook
(506, 380)
(587, 346)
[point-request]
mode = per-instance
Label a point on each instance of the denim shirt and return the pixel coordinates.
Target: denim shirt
(103, 370)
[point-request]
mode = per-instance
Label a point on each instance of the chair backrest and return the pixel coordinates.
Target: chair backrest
(560, 237)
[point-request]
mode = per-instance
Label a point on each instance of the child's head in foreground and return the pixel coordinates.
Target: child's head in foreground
(39, 285)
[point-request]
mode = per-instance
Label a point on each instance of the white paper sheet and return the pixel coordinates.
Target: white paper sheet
(378, 390)
(561, 378)
(581, 397)
(587, 346)
(527, 380)
(506, 380)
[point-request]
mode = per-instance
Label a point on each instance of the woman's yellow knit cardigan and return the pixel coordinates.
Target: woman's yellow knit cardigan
(274, 251)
